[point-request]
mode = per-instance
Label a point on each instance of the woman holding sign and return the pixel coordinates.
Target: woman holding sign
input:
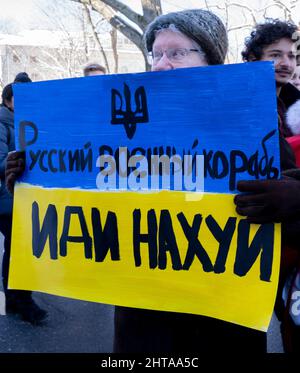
(190, 38)
(177, 40)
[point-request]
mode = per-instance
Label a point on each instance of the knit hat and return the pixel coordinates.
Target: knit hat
(202, 26)
(22, 78)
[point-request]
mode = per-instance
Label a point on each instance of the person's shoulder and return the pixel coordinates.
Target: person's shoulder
(6, 125)
(6, 116)
(3, 131)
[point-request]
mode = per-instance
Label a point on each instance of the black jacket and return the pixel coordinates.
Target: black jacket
(7, 144)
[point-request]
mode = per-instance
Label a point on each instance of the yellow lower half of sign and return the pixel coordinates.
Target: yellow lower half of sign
(169, 251)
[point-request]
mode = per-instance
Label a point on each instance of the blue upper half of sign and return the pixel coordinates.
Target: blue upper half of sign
(111, 131)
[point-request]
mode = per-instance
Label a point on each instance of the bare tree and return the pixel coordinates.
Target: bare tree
(77, 46)
(114, 40)
(96, 36)
(248, 16)
(7, 26)
(125, 19)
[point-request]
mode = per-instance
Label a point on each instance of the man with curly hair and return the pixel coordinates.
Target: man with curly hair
(274, 41)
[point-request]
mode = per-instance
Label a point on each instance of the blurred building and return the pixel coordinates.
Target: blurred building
(55, 55)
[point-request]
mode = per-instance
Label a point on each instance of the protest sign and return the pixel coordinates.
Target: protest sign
(127, 197)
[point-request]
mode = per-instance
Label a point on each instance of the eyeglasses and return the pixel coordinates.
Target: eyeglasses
(173, 54)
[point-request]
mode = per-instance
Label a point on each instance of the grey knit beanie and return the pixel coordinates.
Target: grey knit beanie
(202, 26)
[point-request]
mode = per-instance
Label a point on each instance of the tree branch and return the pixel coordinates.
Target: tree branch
(108, 9)
(118, 6)
(151, 9)
(130, 32)
(240, 27)
(96, 37)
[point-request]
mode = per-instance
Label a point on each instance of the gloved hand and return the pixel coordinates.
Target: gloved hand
(292, 172)
(15, 166)
(269, 200)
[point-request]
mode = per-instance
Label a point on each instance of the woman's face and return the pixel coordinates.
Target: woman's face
(173, 50)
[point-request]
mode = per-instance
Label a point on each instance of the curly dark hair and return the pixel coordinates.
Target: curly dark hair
(265, 34)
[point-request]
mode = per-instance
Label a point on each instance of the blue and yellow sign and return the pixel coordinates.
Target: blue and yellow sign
(127, 197)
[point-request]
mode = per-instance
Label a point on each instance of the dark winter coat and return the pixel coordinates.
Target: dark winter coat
(7, 144)
(290, 259)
